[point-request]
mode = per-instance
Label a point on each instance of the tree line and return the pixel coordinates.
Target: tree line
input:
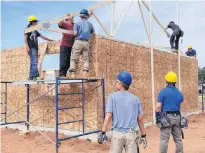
(201, 74)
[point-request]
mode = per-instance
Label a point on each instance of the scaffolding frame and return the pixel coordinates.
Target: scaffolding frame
(57, 83)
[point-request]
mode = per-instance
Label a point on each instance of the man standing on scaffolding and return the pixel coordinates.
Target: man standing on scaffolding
(125, 111)
(66, 46)
(82, 31)
(174, 39)
(31, 41)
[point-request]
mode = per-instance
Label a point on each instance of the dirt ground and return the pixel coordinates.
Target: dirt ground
(13, 142)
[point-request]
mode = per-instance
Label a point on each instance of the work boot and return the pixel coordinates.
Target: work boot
(30, 78)
(86, 74)
(72, 74)
(174, 50)
(63, 77)
(37, 78)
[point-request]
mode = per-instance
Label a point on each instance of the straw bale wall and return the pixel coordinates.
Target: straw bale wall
(107, 58)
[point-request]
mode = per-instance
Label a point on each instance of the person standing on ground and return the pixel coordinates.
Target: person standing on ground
(168, 114)
(66, 46)
(174, 39)
(125, 111)
(191, 52)
(31, 41)
(82, 31)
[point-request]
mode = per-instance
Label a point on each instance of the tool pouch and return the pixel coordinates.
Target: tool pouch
(163, 120)
(181, 33)
(184, 122)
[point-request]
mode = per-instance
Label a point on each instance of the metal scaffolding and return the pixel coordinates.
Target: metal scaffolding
(78, 81)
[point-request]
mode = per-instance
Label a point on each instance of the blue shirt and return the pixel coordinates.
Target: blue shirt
(84, 28)
(192, 53)
(171, 99)
(125, 108)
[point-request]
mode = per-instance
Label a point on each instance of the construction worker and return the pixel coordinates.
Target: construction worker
(168, 114)
(177, 33)
(191, 52)
(125, 111)
(65, 46)
(31, 41)
(82, 31)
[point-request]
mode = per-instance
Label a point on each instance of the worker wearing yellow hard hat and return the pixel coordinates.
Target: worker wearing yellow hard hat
(31, 42)
(168, 114)
(191, 52)
(32, 18)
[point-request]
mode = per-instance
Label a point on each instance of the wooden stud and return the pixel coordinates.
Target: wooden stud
(40, 26)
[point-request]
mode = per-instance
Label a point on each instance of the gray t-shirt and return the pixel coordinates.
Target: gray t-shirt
(84, 28)
(125, 107)
(173, 26)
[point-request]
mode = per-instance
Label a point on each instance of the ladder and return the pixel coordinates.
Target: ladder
(4, 103)
(81, 106)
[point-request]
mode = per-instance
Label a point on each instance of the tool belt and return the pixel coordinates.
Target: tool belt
(175, 112)
(163, 120)
(83, 39)
(184, 122)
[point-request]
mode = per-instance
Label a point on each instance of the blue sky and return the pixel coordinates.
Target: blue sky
(191, 20)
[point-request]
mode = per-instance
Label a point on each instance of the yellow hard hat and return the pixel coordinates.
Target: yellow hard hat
(32, 18)
(171, 77)
(190, 46)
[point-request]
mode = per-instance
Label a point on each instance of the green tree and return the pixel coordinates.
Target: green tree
(201, 74)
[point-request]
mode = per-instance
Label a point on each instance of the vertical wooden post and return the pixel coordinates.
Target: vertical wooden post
(152, 63)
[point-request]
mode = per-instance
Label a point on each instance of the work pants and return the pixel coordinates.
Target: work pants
(174, 39)
(65, 53)
(33, 54)
(79, 47)
(120, 140)
(176, 132)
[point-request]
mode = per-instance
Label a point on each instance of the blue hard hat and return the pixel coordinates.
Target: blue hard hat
(84, 11)
(125, 77)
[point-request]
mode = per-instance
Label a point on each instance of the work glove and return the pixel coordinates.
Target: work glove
(143, 140)
(102, 137)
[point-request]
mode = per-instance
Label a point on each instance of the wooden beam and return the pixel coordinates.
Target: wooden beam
(144, 21)
(40, 26)
(122, 18)
(154, 16)
(158, 36)
(101, 24)
(59, 30)
(112, 19)
(152, 62)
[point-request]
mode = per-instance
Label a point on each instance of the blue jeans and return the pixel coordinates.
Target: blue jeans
(33, 63)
